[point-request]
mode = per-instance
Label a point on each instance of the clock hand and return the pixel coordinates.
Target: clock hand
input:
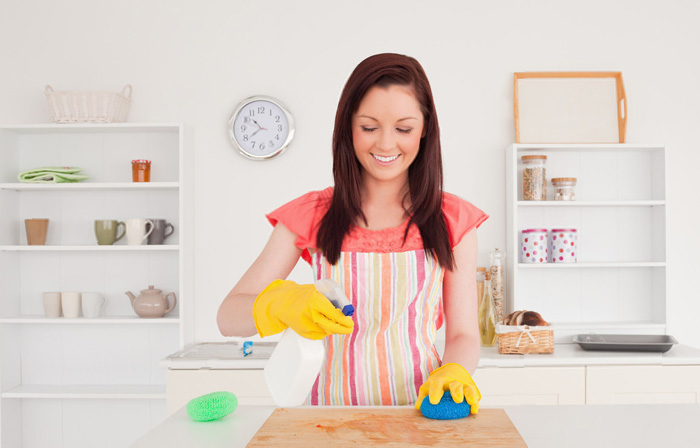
(251, 135)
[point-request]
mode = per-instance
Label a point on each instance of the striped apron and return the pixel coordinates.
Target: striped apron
(391, 351)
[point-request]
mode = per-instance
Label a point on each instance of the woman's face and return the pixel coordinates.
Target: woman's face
(386, 132)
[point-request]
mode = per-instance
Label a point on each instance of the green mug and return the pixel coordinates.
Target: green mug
(107, 231)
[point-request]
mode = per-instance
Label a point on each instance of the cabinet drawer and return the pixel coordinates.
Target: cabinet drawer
(642, 384)
(248, 385)
(531, 385)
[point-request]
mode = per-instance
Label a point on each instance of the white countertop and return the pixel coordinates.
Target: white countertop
(227, 356)
(580, 426)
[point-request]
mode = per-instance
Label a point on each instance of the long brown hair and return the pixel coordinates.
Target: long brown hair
(424, 174)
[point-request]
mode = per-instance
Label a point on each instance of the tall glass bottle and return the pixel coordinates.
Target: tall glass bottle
(487, 316)
(497, 268)
(480, 276)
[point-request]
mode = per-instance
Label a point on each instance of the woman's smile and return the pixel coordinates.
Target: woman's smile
(385, 160)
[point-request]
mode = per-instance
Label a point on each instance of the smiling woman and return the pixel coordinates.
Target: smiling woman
(402, 249)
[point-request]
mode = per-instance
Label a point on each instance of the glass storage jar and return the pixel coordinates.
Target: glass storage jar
(534, 178)
(564, 188)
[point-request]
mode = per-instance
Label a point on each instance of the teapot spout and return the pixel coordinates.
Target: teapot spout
(131, 296)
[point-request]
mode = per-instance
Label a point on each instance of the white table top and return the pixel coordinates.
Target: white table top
(579, 426)
(214, 356)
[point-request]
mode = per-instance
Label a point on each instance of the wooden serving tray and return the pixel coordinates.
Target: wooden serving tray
(384, 427)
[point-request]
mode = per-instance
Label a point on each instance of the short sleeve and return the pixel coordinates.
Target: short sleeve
(302, 216)
(461, 217)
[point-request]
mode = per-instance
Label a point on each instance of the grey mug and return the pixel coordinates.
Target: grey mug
(160, 231)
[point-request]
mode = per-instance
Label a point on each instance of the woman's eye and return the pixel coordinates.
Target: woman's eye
(404, 131)
(366, 129)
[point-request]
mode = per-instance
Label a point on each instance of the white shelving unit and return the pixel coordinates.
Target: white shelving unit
(619, 282)
(89, 382)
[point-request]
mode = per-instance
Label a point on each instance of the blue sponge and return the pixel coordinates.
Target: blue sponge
(212, 406)
(447, 409)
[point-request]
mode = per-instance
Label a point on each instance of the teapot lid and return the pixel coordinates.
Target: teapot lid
(151, 290)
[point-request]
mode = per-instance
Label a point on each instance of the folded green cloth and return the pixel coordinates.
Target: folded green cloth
(52, 174)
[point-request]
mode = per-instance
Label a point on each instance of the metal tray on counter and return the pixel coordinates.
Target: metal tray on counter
(626, 342)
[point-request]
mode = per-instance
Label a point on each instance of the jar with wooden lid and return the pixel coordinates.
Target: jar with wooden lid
(480, 276)
(534, 178)
(564, 188)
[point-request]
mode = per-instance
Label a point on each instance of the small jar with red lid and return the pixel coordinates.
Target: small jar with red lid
(533, 246)
(563, 245)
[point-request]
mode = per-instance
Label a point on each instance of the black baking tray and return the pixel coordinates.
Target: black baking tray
(626, 342)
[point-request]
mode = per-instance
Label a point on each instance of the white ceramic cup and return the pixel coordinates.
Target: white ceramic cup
(70, 303)
(52, 304)
(137, 230)
(92, 303)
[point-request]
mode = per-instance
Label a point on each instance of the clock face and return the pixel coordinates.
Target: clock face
(261, 128)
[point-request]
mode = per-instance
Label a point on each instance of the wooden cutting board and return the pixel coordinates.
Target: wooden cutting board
(384, 427)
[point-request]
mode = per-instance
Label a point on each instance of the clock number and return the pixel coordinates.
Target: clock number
(277, 119)
(279, 127)
(261, 109)
(253, 144)
(271, 143)
(270, 111)
(243, 128)
(251, 112)
(245, 137)
(277, 136)
(262, 146)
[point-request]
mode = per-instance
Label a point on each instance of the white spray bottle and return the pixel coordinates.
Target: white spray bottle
(295, 363)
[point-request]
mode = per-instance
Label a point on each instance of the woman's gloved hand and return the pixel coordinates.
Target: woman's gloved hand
(285, 303)
(454, 378)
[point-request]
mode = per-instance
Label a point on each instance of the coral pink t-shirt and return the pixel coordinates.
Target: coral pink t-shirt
(303, 216)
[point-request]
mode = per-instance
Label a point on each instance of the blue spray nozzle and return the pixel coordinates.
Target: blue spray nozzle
(333, 292)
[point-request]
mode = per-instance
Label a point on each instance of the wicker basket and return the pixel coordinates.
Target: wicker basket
(522, 339)
(89, 107)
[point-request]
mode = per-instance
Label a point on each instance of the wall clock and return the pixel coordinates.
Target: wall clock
(261, 127)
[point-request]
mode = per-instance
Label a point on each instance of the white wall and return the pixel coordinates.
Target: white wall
(194, 61)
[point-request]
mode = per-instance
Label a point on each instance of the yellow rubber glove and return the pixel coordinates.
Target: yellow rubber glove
(285, 303)
(454, 378)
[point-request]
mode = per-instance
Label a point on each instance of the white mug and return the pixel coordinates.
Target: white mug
(136, 232)
(70, 304)
(93, 302)
(52, 304)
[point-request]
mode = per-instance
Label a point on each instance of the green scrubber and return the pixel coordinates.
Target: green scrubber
(212, 406)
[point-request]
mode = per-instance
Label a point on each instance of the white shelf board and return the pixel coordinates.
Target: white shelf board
(91, 186)
(588, 147)
(650, 203)
(92, 248)
(85, 321)
(624, 264)
(87, 128)
(101, 392)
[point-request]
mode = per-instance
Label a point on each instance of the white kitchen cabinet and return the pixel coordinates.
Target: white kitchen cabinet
(619, 282)
(89, 382)
(248, 386)
(532, 385)
(642, 384)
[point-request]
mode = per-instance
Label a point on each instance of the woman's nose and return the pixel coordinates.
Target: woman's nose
(386, 141)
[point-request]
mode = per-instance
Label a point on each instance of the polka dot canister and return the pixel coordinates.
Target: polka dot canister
(563, 245)
(533, 246)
